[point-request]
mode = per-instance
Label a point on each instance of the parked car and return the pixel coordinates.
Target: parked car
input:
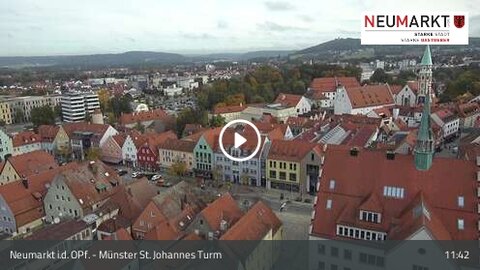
(137, 174)
(156, 177)
(121, 172)
(162, 183)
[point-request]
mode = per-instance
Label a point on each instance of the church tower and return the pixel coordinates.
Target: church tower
(425, 146)
(425, 77)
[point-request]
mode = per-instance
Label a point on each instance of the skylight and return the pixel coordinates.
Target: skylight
(394, 192)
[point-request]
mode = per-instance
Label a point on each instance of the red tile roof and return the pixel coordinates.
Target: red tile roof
(32, 163)
(329, 84)
(27, 203)
(154, 140)
(25, 137)
(178, 145)
(255, 224)
(163, 231)
(120, 234)
(369, 96)
(395, 88)
(367, 176)
(47, 133)
(98, 129)
(292, 150)
(120, 139)
(288, 100)
(413, 85)
(224, 208)
(135, 117)
(468, 109)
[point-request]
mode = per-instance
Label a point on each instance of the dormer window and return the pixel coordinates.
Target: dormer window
(332, 184)
(461, 201)
(460, 224)
(370, 216)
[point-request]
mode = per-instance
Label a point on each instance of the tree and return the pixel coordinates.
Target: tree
(178, 168)
(19, 115)
(217, 121)
(104, 98)
(380, 76)
(216, 176)
(244, 179)
(93, 153)
(139, 127)
(190, 116)
(42, 116)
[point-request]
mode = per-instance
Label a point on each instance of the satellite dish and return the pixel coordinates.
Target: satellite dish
(56, 220)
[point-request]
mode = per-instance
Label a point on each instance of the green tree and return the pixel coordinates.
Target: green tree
(19, 115)
(380, 76)
(42, 116)
(178, 168)
(217, 121)
(139, 127)
(93, 153)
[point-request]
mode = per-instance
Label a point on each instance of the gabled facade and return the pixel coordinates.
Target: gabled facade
(6, 145)
(148, 154)
(25, 142)
(26, 165)
(302, 104)
(175, 150)
(112, 149)
(408, 95)
(130, 148)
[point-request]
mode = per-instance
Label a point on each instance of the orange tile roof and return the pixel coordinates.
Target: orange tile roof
(370, 172)
(329, 84)
(25, 137)
(120, 139)
(229, 109)
(163, 231)
(32, 163)
(413, 85)
(154, 140)
(223, 208)
(26, 203)
(135, 117)
(292, 150)
(468, 109)
(255, 224)
(395, 88)
(369, 96)
(120, 234)
(288, 100)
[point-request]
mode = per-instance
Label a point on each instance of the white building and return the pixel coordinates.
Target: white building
(172, 91)
(302, 104)
(362, 100)
(75, 106)
(449, 122)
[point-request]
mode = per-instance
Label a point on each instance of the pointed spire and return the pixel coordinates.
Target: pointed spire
(427, 57)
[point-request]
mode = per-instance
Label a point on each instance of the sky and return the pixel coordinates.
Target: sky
(66, 27)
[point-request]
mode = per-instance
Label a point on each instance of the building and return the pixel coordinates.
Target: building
(21, 202)
(407, 96)
(133, 142)
(76, 106)
(112, 149)
(147, 154)
(17, 167)
(18, 109)
(229, 113)
(217, 218)
(67, 230)
(177, 206)
(54, 140)
(276, 110)
(302, 104)
(468, 114)
(384, 196)
(84, 136)
(6, 145)
(82, 191)
(25, 142)
(177, 151)
(362, 100)
(322, 91)
(203, 152)
(293, 165)
(172, 91)
(157, 119)
(448, 121)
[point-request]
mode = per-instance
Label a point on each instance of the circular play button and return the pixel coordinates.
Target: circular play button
(239, 140)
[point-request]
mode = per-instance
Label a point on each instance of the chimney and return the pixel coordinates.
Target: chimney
(25, 181)
(354, 151)
(390, 155)
(396, 112)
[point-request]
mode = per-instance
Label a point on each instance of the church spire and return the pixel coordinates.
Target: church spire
(424, 148)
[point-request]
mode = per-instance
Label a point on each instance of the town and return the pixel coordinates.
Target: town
(338, 141)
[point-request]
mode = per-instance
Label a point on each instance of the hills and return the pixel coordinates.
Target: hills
(334, 49)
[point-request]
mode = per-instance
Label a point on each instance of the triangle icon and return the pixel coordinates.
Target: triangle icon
(238, 140)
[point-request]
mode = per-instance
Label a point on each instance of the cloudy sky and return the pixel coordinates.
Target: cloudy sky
(58, 27)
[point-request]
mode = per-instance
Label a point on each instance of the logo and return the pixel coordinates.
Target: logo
(413, 28)
(459, 21)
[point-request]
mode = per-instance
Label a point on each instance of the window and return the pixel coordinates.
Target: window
(393, 192)
(293, 177)
(273, 174)
(282, 175)
(329, 204)
(332, 184)
(321, 265)
(461, 201)
(347, 254)
(334, 251)
(333, 267)
(418, 267)
(461, 224)
(321, 249)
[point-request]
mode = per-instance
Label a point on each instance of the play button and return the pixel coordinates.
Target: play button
(239, 140)
(248, 142)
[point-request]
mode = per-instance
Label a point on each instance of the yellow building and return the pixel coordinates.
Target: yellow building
(174, 150)
(293, 166)
(25, 165)
(5, 113)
